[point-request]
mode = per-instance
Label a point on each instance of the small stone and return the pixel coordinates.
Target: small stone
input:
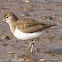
(6, 37)
(22, 15)
(50, 17)
(42, 60)
(10, 53)
(43, 17)
(27, 1)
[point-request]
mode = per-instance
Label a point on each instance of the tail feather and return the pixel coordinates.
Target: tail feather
(48, 26)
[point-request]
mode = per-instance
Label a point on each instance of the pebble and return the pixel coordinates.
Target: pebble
(10, 53)
(27, 1)
(42, 60)
(6, 37)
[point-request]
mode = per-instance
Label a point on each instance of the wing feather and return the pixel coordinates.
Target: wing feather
(28, 25)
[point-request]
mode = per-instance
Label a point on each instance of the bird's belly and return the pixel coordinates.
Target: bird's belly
(25, 36)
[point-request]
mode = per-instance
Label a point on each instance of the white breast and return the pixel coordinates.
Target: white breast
(25, 36)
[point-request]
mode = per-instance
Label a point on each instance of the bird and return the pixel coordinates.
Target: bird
(25, 28)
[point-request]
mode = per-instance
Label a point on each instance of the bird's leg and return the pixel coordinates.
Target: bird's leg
(31, 45)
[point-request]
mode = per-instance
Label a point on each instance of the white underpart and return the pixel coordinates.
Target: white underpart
(25, 36)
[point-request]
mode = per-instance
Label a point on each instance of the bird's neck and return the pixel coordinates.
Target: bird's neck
(12, 27)
(12, 24)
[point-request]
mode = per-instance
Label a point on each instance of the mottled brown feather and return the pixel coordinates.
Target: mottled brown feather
(28, 25)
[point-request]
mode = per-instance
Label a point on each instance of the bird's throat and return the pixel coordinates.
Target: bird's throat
(12, 27)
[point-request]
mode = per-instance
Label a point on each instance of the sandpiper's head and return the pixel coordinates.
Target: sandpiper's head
(10, 17)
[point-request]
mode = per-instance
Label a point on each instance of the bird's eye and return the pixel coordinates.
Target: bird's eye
(6, 17)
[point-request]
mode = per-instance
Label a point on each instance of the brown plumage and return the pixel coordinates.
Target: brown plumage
(26, 25)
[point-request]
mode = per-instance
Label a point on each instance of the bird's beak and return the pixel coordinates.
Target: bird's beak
(4, 20)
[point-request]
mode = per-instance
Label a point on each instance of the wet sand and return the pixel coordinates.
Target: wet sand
(49, 45)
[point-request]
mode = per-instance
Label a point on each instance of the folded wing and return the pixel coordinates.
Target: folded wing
(28, 25)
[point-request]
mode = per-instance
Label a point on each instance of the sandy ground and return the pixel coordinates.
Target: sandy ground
(49, 45)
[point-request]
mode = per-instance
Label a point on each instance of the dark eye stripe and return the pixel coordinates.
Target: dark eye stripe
(5, 15)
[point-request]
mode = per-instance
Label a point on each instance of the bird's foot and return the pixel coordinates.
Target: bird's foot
(30, 47)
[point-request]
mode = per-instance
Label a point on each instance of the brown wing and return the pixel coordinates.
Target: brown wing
(28, 25)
